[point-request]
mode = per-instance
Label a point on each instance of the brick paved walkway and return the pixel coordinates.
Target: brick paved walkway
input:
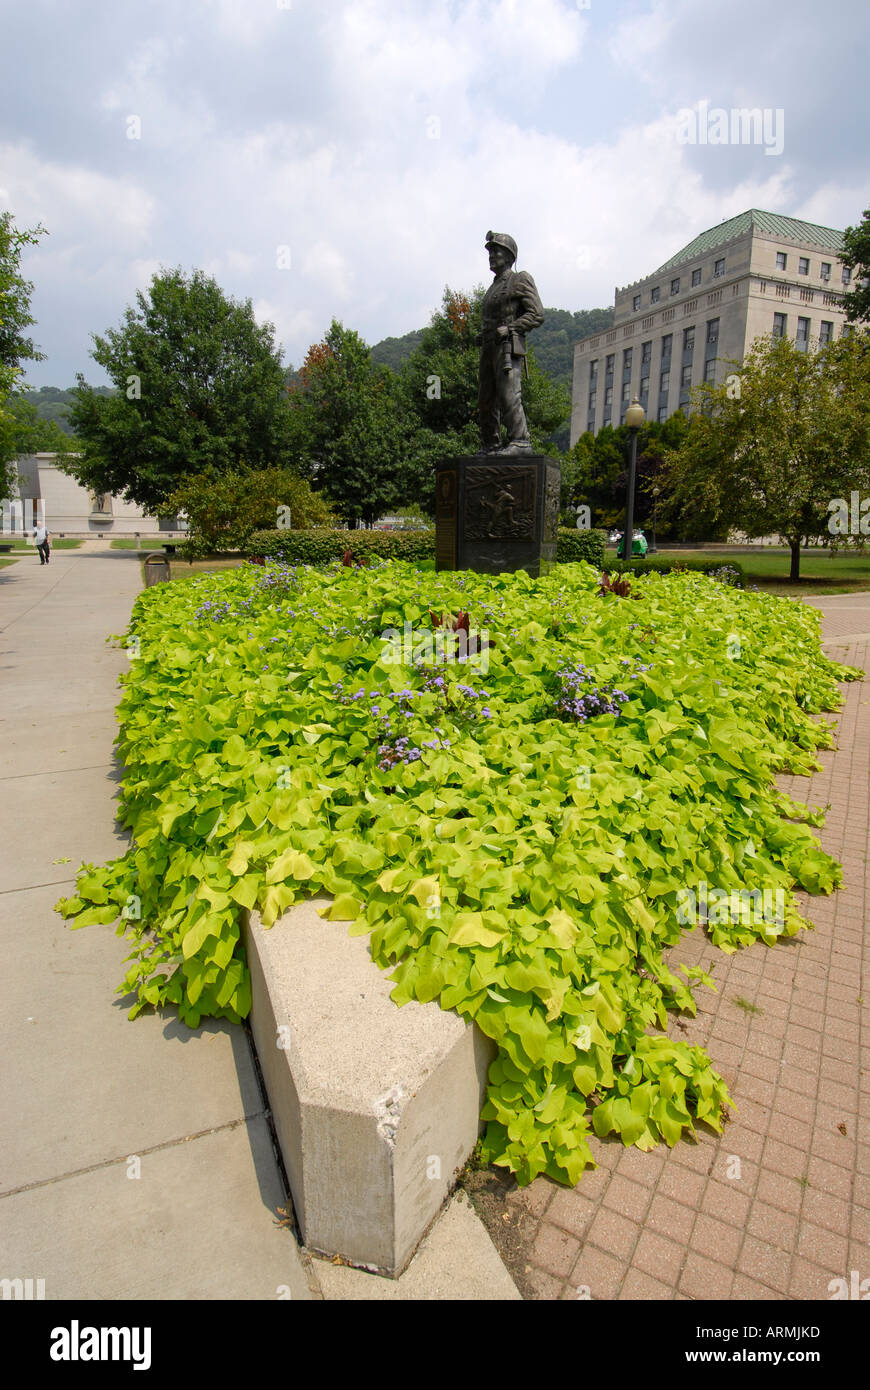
(779, 1205)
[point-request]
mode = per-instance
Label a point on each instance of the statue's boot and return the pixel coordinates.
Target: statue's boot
(517, 446)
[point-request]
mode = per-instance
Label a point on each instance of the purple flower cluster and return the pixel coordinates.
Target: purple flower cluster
(580, 698)
(401, 750)
(467, 706)
(213, 612)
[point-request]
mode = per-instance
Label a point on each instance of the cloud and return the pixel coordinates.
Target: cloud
(379, 141)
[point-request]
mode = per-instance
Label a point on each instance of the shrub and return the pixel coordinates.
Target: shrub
(321, 546)
(716, 568)
(580, 545)
(223, 512)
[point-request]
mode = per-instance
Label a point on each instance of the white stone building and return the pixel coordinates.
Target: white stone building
(70, 510)
(754, 274)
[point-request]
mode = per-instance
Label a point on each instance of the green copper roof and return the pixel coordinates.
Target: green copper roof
(770, 222)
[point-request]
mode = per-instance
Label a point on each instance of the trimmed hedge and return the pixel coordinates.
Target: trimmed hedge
(705, 566)
(320, 546)
(575, 545)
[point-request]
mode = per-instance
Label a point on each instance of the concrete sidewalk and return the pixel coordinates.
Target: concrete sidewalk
(136, 1159)
(83, 1092)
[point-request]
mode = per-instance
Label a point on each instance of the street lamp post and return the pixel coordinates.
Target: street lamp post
(634, 418)
(653, 548)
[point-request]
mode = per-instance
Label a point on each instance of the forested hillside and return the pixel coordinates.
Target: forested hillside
(553, 342)
(53, 403)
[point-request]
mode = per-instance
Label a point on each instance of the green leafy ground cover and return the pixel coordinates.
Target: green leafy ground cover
(517, 841)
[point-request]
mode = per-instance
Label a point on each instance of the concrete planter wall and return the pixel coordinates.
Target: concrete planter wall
(376, 1107)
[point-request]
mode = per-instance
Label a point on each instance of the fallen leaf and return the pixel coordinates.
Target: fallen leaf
(842, 1128)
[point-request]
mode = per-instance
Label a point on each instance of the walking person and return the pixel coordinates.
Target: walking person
(42, 539)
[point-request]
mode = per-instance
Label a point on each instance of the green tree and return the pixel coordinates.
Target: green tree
(595, 473)
(15, 346)
(348, 429)
(770, 449)
(223, 512)
(200, 390)
(856, 256)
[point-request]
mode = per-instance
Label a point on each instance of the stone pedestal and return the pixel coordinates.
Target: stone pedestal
(495, 513)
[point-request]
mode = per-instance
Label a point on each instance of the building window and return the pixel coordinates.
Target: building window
(825, 271)
(696, 278)
(686, 378)
(710, 369)
(593, 401)
(644, 387)
(626, 360)
(663, 414)
(675, 286)
(667, 342)
(846, 275)
(847, 330)
(654, 295)
(608, 395)
(688, 340)
(802, 337)
(826, 331)
(626, 388)
(608, 365)
(779, 325)
(635, 303)
(593, 373)
(719, 268)
(665, 383)
(781, 260)
(712, 332)
(803, 265)
(646, 353)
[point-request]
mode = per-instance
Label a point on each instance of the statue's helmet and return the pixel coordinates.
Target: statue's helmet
(502, 239)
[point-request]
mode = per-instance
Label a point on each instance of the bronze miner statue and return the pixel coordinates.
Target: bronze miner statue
(511, 308)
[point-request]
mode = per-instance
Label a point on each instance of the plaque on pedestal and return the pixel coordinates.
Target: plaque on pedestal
(495, 514)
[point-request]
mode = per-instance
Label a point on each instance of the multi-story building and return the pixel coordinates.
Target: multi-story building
(755, 274)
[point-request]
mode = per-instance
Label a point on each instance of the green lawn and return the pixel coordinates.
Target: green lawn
(821, 573)
(20, 543)
(7, 560)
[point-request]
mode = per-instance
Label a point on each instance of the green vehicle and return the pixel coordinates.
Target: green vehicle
(638, 545)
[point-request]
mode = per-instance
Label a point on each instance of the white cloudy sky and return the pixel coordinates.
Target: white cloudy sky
(378, 140)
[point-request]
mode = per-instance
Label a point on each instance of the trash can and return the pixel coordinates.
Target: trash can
(156, 570)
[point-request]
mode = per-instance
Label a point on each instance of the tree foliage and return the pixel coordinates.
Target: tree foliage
(770, 449)
(200, 390)
(224, 512)
(347, 426)
(595, 474)
(856, 256)
(15, 346)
